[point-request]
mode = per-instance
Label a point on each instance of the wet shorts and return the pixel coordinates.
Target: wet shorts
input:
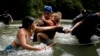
(8, 47)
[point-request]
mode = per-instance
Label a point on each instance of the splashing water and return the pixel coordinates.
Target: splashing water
(66, 38)
(7, 35)
(48, 51)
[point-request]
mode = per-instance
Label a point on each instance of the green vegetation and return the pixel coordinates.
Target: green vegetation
(69, 8)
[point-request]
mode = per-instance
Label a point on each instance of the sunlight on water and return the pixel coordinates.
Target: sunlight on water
(15, 25)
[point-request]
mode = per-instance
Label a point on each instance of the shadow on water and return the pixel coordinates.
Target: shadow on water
(67, 45)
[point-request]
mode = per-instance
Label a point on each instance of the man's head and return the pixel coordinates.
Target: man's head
(47, 11)
(85, 12)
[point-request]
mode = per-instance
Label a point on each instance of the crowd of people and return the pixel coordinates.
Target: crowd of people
(83, 27)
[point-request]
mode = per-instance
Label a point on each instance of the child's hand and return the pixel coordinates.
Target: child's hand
(68, 30)
(41, 48)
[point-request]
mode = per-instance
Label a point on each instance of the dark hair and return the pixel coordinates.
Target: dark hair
(27, 21)
(84, 11)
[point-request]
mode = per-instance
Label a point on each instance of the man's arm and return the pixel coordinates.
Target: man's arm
(10, 18)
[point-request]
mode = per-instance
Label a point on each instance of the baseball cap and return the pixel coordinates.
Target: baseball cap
(47, 8)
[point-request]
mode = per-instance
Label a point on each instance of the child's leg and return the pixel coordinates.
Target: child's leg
(49, 42)
(42, 36)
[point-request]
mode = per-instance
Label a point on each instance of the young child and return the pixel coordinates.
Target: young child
(47, 36)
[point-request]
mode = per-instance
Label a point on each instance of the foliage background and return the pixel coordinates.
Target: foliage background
(69, 8)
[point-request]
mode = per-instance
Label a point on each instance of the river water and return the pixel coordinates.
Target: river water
(67, 45)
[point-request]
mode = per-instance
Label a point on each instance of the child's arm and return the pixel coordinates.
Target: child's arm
(49, 22)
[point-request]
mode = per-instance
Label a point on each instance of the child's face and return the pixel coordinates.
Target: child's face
(52, 17)
(55, 18)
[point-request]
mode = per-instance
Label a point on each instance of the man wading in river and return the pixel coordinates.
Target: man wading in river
(85, 28)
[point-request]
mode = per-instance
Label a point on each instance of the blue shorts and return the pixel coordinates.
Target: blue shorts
(8, 47)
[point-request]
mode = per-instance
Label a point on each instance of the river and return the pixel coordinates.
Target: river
(67, 45)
